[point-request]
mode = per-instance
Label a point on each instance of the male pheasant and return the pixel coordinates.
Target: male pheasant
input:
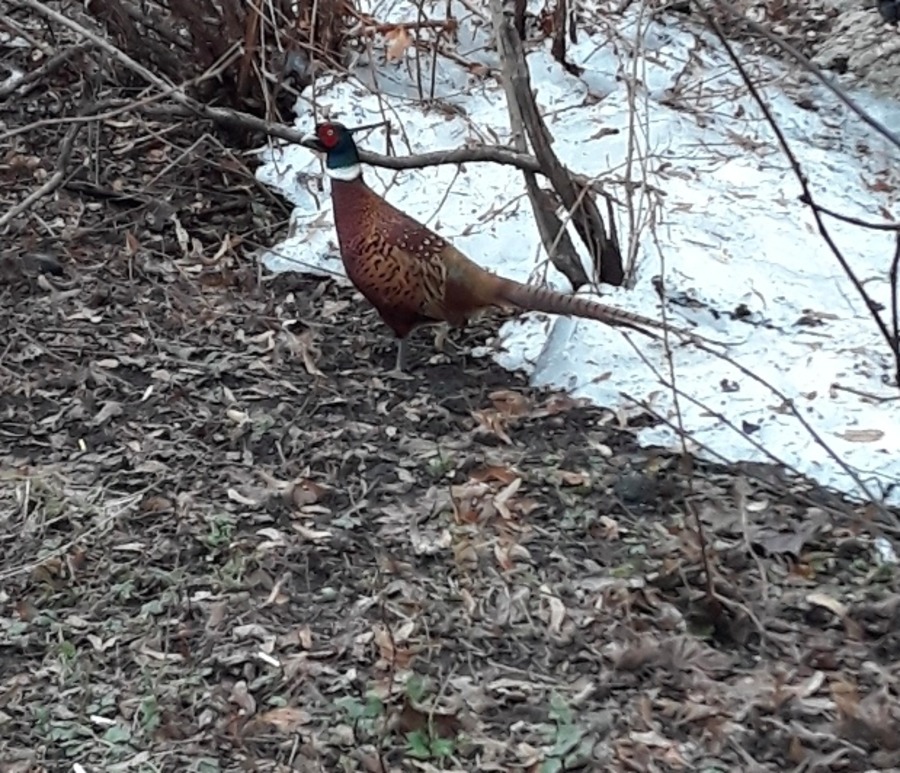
(412, 276)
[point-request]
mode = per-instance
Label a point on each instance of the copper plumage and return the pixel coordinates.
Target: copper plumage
(410, 274)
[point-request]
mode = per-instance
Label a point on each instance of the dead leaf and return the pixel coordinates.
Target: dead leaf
(572, 478)
(236, 416)
(302, 346)
(109, 410)
(791, 541)
(398, 42)
(607, 528)
(236, 496)
(861, 435)
(510, 403)
(470, 501)
(313, 535)
(440, 723)
(502, 499)
(156, 504)
(26, 610)
(304, 492)
(509, 553)
(503, 558)
(389, 648)
(557, 610)
(557, 404)
(492, 423)
(132, 244)
(241, 697)
(287, 719)
(838, 609)
(824, 600)
(494, 472)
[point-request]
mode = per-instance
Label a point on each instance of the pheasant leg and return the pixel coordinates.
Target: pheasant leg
(402, 355)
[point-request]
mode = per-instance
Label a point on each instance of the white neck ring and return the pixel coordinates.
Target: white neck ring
(345, 173)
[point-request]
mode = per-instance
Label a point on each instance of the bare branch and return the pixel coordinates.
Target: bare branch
(466, 155)
(52, 183)
(186, 106)
(98, 41)
(585, 215)
(787, 405)
(556, 240)
(849, 218)
(894, 275)
(833, 87)
(30, 79)
(807, 195)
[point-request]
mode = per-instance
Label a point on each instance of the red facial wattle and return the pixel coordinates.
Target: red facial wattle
(328, 136)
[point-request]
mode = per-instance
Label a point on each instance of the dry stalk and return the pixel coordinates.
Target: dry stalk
(556, 240)
(586, 217)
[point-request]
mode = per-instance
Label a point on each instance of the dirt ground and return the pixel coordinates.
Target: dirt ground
(231, 541)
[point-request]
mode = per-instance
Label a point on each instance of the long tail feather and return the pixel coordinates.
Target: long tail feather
(542, 299)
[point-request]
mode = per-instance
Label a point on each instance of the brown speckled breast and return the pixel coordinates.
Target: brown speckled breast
(393, 261)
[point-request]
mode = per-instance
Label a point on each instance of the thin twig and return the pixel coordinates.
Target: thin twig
(99, 41)
(801, 177)
(53, 181)
(894, 274)
(29, 80)
(849, 218)
(787, 404)
(186, 106)
(807, 65)
(741, 491)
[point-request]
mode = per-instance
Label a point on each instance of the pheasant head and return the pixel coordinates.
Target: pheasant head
(341, 156)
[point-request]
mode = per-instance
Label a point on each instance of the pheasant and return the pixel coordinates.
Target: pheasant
(412, 276)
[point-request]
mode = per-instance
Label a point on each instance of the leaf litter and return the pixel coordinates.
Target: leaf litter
(230, 541)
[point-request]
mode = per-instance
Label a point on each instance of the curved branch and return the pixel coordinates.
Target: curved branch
(890, 337)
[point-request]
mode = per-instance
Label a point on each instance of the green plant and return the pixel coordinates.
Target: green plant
(424, 745)
(569, 747)
(363, 715)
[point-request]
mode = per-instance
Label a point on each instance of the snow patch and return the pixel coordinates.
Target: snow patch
(731, 234)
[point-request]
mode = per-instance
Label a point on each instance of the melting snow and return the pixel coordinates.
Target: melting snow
(729, 232)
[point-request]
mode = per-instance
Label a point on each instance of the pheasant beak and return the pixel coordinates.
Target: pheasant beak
(312, 142)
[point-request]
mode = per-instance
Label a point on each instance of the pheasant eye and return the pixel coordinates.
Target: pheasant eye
(328, 136)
